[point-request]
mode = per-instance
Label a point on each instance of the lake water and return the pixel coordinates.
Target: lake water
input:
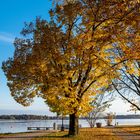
(12, 126)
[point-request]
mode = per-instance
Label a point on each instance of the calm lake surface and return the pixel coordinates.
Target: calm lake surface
(12, 126)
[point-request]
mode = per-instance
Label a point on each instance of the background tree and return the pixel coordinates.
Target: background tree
(109, 118)
(100, 104)
(68, 60)
(128, 85)
(127, 46)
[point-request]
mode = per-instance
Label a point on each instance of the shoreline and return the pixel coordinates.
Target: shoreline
(63, 119)
(38, 131)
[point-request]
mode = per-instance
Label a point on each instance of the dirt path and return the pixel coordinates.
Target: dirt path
(25, 136)
(125, 135)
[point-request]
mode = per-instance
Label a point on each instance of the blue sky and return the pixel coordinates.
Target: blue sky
(13, 14)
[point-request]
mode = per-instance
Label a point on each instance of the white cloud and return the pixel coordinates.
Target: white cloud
(6, 37)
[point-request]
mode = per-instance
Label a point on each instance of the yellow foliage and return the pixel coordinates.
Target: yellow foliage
(70, 60)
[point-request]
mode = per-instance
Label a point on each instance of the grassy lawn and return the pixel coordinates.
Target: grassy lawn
(6, 134)
(85, 134)
(13, 134)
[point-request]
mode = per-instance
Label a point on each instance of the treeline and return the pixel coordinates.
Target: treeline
(39, 117)
(128, 117)
(26, 117)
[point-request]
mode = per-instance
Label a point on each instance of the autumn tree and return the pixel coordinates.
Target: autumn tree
(68, 61)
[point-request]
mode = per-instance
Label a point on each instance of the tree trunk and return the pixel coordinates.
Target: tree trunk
(73, 125)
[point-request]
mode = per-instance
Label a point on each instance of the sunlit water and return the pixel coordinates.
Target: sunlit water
(12, 126)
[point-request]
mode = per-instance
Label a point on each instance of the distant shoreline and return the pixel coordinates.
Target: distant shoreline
(40, 117)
